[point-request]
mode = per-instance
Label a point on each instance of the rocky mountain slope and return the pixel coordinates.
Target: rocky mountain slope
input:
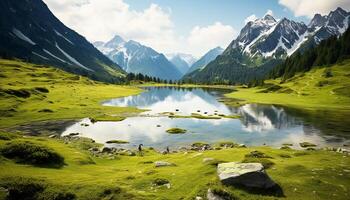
(29, 31)
(263, 43)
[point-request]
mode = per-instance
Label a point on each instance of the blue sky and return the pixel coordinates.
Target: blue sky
(186, 13)
(186, 26)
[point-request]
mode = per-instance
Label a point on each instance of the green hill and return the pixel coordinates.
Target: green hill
(32, 92)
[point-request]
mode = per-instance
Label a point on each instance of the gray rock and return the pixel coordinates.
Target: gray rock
(53, 136)
(250, 175)
(207, 160)
(212, 196)
(163, 164)
(242, 146)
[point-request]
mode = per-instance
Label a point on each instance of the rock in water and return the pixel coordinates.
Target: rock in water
(250, 175)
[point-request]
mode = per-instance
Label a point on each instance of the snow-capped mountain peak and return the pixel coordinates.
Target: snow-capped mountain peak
(268, 37)
(134, 57)
(269, 19)
(115, 42)
(188, 58)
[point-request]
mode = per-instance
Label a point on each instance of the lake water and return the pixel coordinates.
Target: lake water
(258, 125)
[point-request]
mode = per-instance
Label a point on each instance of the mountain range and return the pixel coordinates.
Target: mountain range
(207, 58)
(265, 42)
(29, 31)
(134, 57)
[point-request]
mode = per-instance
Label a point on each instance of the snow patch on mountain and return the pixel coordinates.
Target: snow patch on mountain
(71, 58)
(21, 36)
(52, 55)
(41, 56)
(59, 34)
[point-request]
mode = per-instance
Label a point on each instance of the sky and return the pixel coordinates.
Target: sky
(179, 26)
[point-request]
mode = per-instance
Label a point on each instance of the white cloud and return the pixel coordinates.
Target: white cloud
(206, 38)
(250, 18)
(100, 20)
(310, 7)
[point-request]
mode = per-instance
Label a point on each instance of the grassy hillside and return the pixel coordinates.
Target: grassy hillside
(301, 174)
(39, 167)
(327, 88)
(31, 92)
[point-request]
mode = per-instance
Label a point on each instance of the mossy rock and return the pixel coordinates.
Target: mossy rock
(176, 131)
(199, 144)
(219, 193)
(307, 144)
(160, 181)
(285, 148)
(257, 154)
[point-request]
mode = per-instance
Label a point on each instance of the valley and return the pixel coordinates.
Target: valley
(114, 100)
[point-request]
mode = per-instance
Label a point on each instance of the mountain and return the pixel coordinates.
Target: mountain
(328, 52)
(265, 42)
(182, 61)
(134, 57)
(180, 64)
(207, 58)
(188, 58)
(29, 31)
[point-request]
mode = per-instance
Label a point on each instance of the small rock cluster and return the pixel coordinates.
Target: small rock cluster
(111, 151)
(338, 150)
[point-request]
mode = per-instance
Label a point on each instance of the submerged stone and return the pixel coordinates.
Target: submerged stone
(250, 175)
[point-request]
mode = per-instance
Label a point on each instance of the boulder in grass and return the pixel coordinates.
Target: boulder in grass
(163, 164)
(251, 175)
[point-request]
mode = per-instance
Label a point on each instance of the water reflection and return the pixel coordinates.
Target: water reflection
(259, 124)
(262, 118)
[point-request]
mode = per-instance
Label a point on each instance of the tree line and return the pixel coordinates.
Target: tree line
(146, 78)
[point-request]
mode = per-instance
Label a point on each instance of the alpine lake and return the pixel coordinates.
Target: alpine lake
(206, 118)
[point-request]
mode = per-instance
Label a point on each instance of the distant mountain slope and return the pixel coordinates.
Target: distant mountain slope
(29, 31)
(264, 42)
(137, 58)
(180, 64)
(207, 58)
(188, 58)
